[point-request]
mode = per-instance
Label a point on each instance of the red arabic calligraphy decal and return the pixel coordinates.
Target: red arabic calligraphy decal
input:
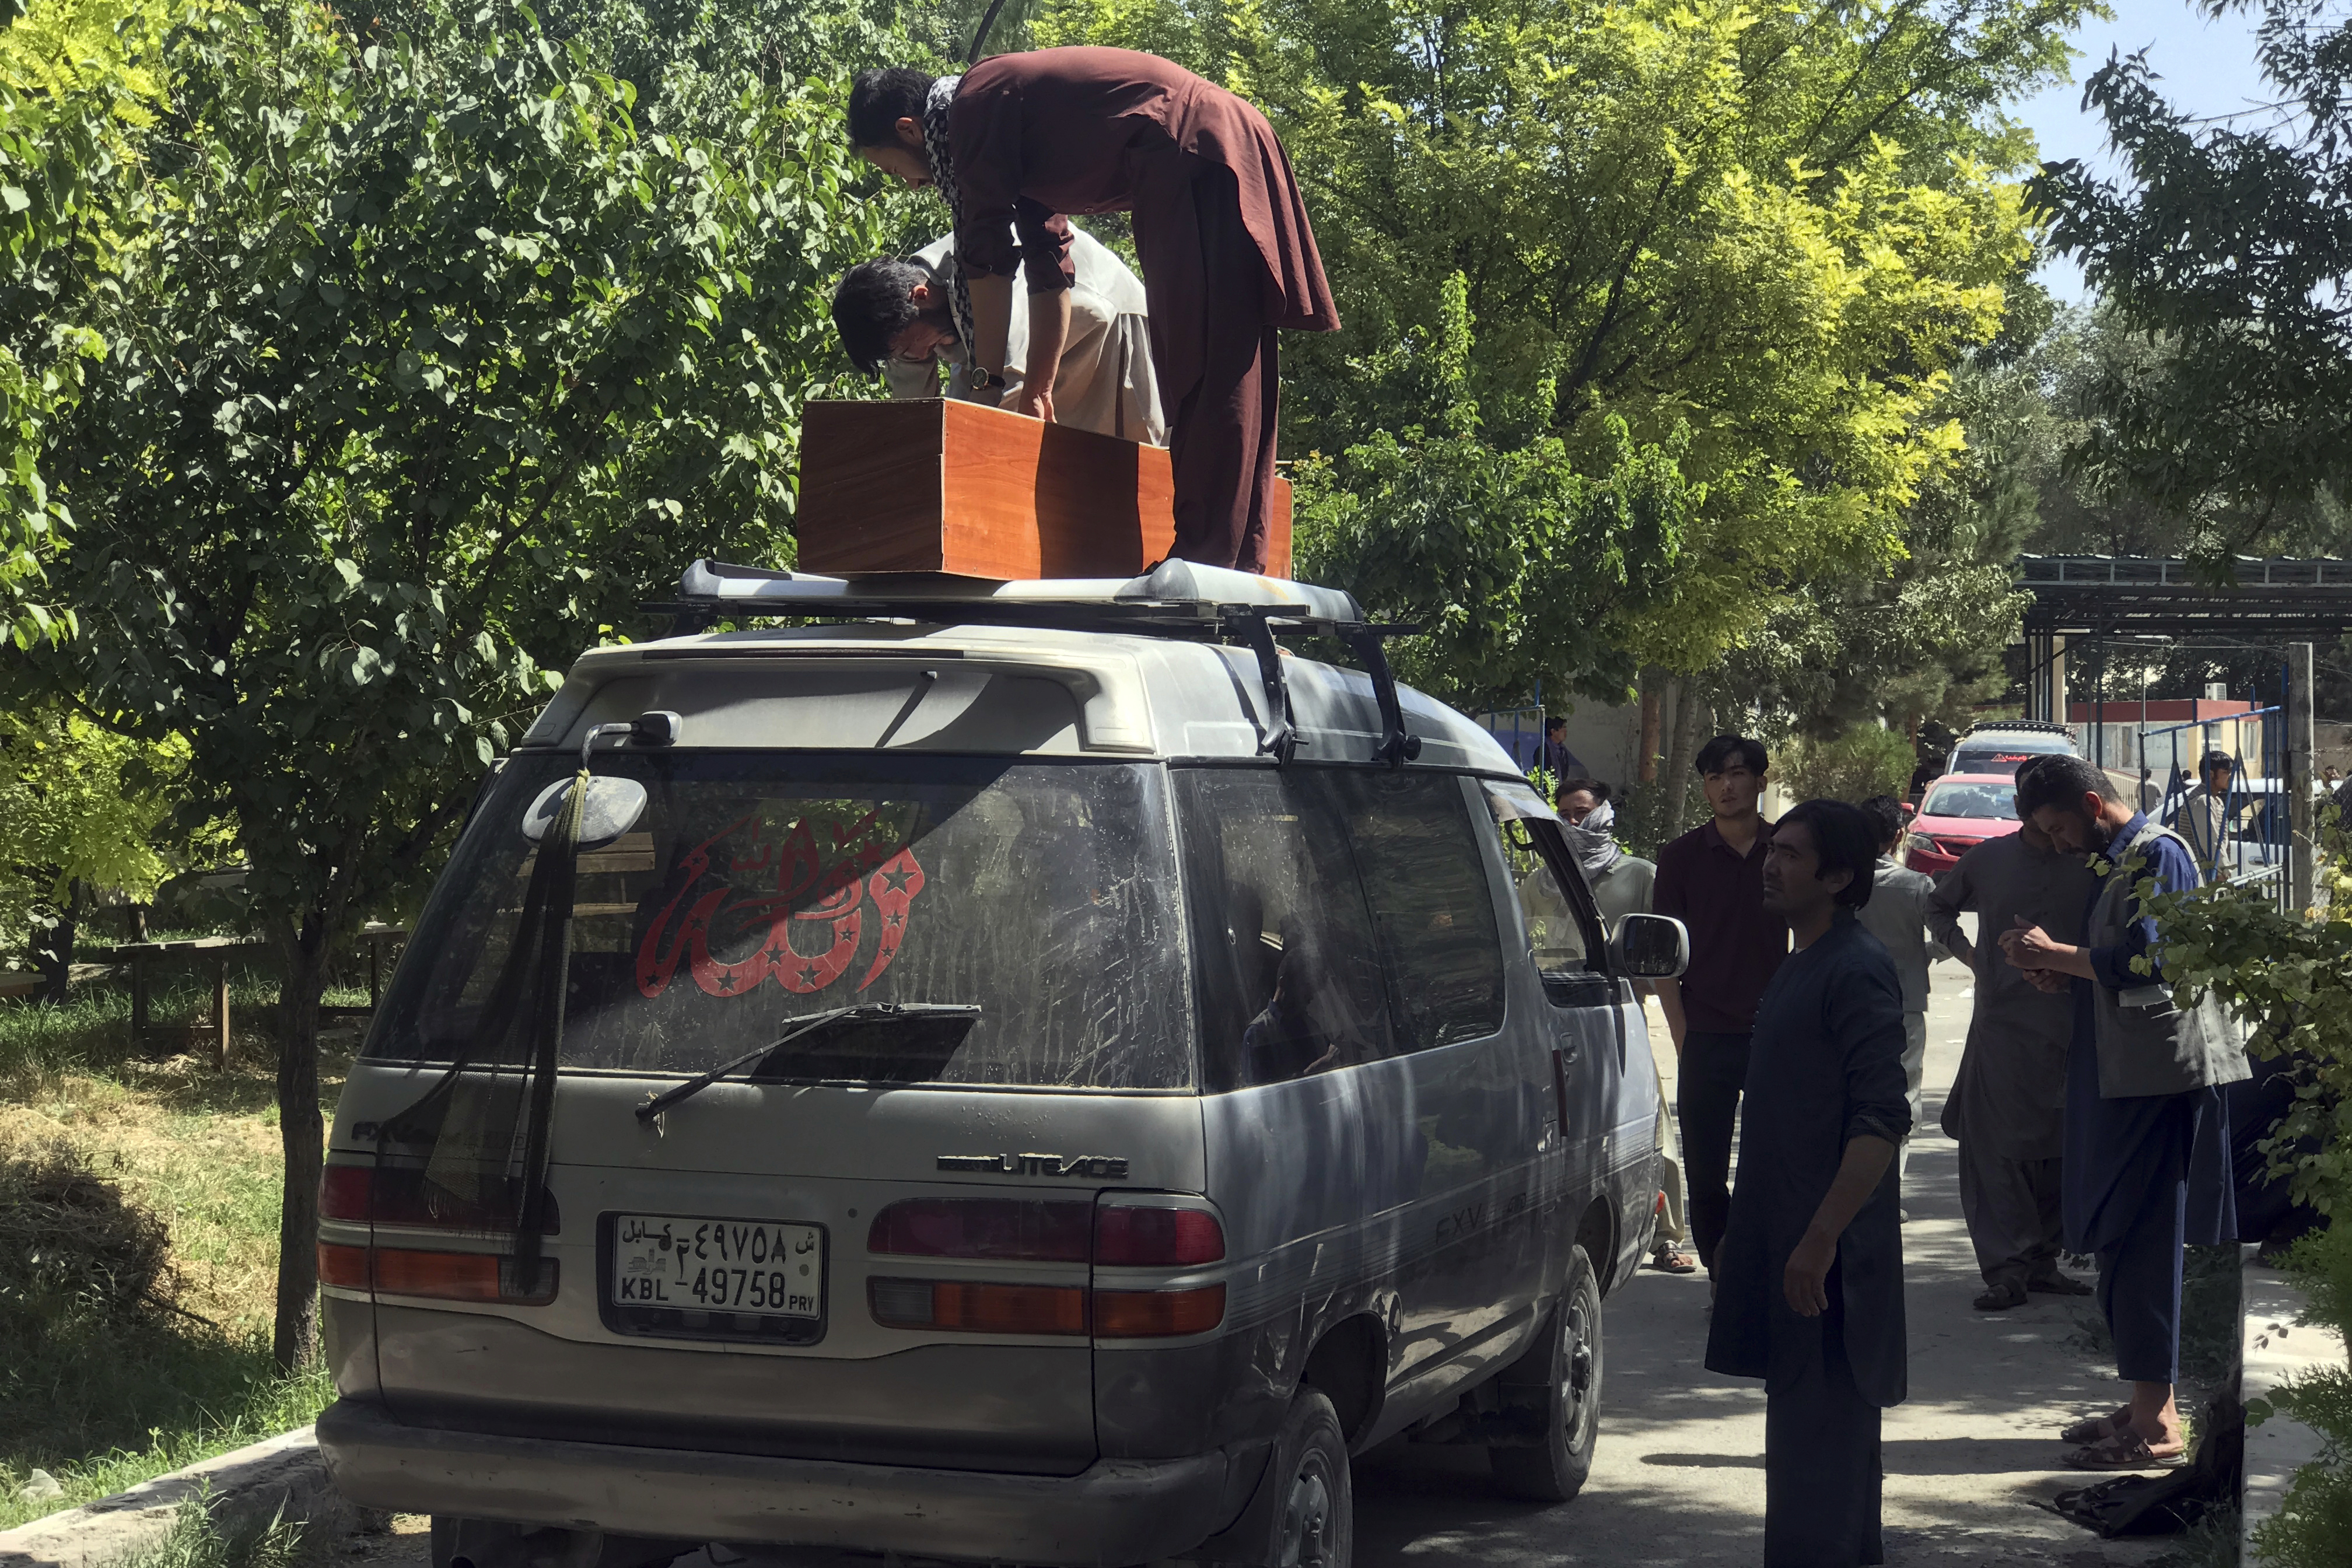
(811, 888)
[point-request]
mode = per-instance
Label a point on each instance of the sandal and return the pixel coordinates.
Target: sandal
(2128, 1451)
(2098, 1428)
(1673, 1260)
(2000, 1297)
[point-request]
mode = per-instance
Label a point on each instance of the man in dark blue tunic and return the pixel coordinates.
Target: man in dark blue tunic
(2148, 1135)
(1809, 1276)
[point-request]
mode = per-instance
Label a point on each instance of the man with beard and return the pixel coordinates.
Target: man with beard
(1809, 1274)
(2147, 1134)
(2008, 1105)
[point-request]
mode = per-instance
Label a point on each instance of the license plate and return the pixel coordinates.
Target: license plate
(745, 1268)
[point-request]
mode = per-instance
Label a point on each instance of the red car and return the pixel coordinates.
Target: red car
(1960, 812)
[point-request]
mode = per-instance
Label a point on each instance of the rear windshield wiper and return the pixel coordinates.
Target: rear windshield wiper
(867, 1013)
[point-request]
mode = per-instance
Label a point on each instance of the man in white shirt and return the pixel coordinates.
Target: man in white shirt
(894, 315)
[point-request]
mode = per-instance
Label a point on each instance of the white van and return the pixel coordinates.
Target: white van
(1035, 1076)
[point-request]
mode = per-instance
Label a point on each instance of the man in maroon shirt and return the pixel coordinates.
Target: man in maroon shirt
(1228, 257)
(1712, 879)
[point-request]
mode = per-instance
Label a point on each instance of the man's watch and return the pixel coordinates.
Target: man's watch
(988, 380)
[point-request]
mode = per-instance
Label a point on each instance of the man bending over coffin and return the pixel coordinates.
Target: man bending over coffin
(1228, 257)
(1809, 1274)
(894, 314)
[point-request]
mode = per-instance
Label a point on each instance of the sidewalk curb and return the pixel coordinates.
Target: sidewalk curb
(2276, 1347)
(282, 1473)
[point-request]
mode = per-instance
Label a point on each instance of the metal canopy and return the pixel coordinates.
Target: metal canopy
(2282, 597)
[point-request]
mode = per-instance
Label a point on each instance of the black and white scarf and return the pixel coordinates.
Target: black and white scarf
(943, 180)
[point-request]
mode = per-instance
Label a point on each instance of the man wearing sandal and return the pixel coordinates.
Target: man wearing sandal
(2147, 1164)
(2007, 1109)
(1810, 1269)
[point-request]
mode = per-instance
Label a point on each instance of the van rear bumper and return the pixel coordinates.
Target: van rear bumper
(1116, 1511)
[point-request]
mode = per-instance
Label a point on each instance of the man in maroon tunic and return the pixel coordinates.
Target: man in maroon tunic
(1228, 254)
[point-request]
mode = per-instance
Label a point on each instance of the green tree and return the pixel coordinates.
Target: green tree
(431, 366)
(1515, 565)
(1925, 640)
(81, 809)
(1863, 761)
(2229, 247)
(1757, 238)
(79, 79)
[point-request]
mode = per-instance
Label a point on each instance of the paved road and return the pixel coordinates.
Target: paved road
(1679, 1478)
(1679, 1473)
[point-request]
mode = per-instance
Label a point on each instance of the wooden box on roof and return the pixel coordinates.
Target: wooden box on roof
(943, 487)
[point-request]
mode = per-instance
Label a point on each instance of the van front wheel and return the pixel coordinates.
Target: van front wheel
(1315, 1503)
(1560, 1377)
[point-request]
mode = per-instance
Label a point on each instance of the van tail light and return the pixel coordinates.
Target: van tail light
(1156, 1314)
(1132, 1235)
(406, 1196)
(1117, 1234)
(343, 1267)
(971, 1307)
(438, 1276)
(1049, 1231)
(345, 1193)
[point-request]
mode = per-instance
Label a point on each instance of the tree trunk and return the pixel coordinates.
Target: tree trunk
(1693, 714)
(303, 1135)
(53, 950)
(1645, 767)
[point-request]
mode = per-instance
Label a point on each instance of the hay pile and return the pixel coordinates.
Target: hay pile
(76, 1255)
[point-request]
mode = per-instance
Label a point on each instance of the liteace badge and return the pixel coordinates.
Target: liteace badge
(1102, 1166)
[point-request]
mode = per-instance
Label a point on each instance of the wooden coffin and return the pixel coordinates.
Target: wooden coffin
(943, 487)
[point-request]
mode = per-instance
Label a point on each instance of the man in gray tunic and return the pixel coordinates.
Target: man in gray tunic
(1897, 916)
(1809, 1275)
(894, 314)
(2007, 1106)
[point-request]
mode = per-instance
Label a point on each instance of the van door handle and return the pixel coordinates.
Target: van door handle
(1561, 1056)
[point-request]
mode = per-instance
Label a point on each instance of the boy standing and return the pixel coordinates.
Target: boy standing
(1712, 879)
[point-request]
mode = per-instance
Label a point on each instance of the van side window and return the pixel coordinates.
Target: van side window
(1564, 936)
(1555, 936)
(1426, 882)
(1286, 961)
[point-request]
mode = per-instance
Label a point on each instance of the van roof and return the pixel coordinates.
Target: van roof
(899, 686)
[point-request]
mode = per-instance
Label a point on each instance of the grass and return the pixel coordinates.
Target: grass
(121, 1360)
(2210, 1543)
(197, 1541)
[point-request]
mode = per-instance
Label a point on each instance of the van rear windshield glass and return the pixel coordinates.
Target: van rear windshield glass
(761, 888)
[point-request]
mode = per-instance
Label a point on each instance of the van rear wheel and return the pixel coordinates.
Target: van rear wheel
(1315, 1503)
(1563, 1372)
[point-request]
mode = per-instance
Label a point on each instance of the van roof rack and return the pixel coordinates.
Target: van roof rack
(2043, 726)
(1179, 599)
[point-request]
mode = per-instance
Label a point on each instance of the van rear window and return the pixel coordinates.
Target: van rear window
(759, 887)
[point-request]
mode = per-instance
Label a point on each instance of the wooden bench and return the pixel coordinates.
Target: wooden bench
(141, 956)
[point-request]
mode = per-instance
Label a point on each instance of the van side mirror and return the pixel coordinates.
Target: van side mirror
(1651, 947)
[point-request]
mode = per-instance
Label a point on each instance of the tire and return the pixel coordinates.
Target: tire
(1314, 1512)
(1564, 1372)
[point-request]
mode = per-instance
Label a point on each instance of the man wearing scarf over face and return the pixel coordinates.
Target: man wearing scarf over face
(1621, 885)
(1228, 257)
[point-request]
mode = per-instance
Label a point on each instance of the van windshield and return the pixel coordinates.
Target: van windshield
(761, 888)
